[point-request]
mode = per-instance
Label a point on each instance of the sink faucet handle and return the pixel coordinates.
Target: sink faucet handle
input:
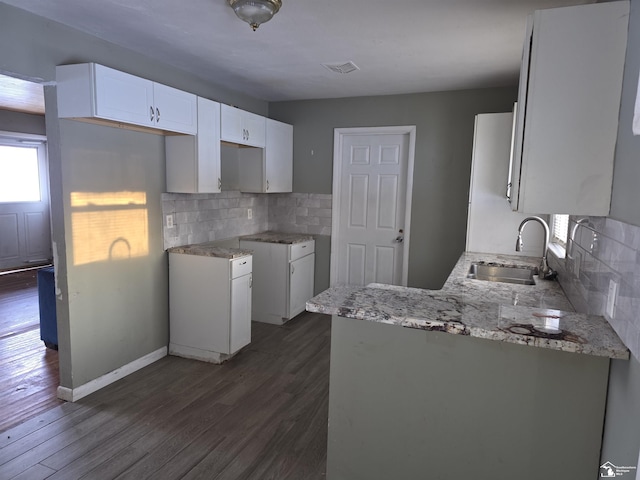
(519, 243)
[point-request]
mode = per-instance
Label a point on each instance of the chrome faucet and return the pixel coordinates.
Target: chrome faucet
(584, 221)
(545, 271)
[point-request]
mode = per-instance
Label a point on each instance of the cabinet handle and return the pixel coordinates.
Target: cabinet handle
(243, 263)
(157, 115)
(219, 184)
(267, 184)
(151, 115)
(293, 269)
(250, 281)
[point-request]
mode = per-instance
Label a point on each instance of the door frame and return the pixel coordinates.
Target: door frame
(38, 142)
(338, 137)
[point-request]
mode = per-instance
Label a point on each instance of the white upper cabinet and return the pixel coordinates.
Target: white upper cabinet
(268, 170)
(568, 105)
(92, 91)
(176, 110)
(243, 128)
(279, 157)
(193, 162)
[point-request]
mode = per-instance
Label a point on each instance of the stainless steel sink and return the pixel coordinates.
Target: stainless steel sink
(521, 275)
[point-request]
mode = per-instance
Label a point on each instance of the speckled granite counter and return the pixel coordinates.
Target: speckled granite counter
(211, 249)
(278, 237)
(538, 315)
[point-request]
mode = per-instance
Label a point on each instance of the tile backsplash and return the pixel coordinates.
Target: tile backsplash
(203, 217)
(600, 250)
(300, 213)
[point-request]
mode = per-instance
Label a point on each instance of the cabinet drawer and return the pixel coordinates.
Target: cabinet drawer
(241, 266)
(299, 250)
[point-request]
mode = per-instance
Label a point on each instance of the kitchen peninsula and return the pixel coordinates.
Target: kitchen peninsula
(487, 380)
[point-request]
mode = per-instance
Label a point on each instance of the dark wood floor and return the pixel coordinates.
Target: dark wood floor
(28, 370)
(263, 415)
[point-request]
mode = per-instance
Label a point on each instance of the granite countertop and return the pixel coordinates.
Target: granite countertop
(211, 249)
(278, 237)
(538, 315)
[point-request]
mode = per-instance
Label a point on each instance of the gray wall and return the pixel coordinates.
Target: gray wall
(626, 173)
(622, 423)
(115, 261)
(38, 45)
(444, 126)
(21, 122)
(109, 312)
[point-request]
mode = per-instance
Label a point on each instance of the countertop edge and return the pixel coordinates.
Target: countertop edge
(465, 316)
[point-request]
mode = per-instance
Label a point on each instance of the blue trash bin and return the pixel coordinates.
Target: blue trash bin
(47, 302)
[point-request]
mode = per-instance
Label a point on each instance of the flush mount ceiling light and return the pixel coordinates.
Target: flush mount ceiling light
(255, 12)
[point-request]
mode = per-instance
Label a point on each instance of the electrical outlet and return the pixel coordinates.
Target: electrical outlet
(611, 299)
(169, 220)
(249, 213)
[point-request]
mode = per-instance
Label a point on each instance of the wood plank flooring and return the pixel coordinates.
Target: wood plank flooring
(262, 415)
(28, 371)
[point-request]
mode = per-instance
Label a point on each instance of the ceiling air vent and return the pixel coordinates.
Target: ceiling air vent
(346, 67)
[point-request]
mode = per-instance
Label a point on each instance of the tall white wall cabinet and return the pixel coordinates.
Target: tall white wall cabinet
(193, 162)
(269, 170)
(568, 104)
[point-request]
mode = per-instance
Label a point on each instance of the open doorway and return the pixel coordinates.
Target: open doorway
(28, 369)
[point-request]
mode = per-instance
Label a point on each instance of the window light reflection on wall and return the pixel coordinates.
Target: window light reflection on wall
(108, 226)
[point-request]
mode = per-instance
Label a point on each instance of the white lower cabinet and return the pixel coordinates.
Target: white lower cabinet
(284, 279)
(301, 274)
(209, 306)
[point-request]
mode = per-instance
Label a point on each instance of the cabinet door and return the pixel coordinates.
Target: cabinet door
(175, 110)
(513, 186)
(240, 331)
(208, 138)
(231, 129)
(243, 128)
(570, 125)
(123, 97)
(193, 162)
(301, 280)
(254, 129)
(278, 157)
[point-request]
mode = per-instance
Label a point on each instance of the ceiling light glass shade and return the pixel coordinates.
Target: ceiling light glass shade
(255, 12)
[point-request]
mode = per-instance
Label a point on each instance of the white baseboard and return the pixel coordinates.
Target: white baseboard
(74, 394)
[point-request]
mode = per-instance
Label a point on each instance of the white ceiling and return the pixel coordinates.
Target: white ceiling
(401, 46)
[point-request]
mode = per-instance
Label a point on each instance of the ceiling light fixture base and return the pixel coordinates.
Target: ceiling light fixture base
(255, 12)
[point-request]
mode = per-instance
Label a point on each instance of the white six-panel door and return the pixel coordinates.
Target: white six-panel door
(370, 221)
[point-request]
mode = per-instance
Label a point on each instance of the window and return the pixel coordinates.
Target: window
(559, 229)
(20, 171)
